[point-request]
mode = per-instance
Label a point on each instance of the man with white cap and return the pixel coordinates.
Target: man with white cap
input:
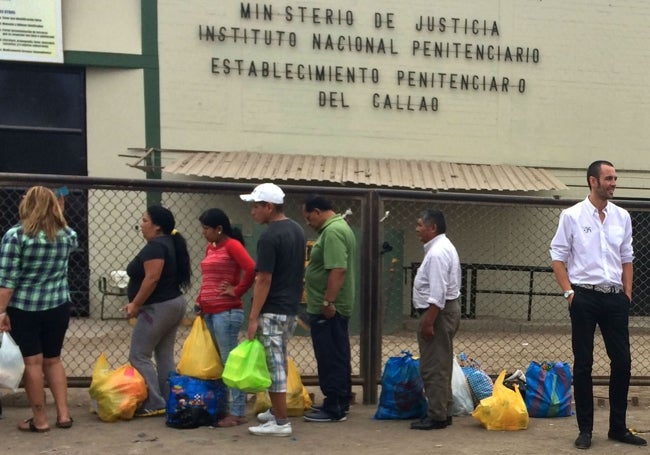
(276, 297)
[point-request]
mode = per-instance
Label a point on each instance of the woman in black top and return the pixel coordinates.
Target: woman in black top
(157, 276)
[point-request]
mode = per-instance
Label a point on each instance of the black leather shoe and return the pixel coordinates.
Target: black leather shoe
(429, 424)
(628, 438)
(583, 441)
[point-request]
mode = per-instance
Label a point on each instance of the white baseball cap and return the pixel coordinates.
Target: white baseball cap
(266, 192)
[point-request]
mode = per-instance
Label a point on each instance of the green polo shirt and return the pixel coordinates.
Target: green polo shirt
(335, 248)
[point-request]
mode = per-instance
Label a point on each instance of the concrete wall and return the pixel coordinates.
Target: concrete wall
(585, 96)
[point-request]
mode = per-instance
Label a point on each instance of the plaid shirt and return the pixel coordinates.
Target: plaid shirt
(35, 268)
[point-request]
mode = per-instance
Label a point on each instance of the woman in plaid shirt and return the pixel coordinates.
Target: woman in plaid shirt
(35, 300)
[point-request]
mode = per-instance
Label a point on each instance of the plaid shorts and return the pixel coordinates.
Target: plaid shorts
(275, 331)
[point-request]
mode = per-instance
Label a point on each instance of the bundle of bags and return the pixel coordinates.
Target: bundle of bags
(545, 391)
(402, 389)
(547, 394)
(197, 394)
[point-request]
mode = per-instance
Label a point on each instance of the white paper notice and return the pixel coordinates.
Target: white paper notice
(30, 30)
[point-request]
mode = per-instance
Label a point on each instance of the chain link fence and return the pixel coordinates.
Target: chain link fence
(513, 311)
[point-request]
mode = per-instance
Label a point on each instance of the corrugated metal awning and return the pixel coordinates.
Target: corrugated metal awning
(391, 173)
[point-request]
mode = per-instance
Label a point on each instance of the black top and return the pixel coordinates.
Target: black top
(281, 252)
(168, 287)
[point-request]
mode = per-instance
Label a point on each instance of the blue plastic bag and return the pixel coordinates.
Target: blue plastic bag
(480, 383)
(195, 402)
(548, 389)
(402, 389)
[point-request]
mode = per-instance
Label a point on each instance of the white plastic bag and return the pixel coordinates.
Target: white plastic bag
(463, 403)
(11, 363)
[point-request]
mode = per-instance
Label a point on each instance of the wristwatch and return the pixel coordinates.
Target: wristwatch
(326, 303)
(568, 293)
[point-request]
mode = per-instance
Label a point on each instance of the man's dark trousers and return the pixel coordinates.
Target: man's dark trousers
(611, 313)
(331, 342)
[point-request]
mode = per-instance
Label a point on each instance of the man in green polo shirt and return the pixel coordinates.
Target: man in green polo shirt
(330, 282)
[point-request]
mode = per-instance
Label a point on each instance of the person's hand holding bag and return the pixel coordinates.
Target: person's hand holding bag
(12, 365)
(246, 367)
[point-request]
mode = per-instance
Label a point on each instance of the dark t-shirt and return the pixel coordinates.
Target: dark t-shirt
(167, 287)
(281, 252)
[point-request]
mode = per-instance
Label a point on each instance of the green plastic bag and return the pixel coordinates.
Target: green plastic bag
(246, 368)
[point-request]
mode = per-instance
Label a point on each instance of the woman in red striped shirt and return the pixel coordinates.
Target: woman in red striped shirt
(228, 272)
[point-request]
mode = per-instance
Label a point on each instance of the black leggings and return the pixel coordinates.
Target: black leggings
(40, 332)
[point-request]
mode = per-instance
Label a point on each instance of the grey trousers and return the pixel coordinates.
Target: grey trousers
(437, 361)
(154, 335)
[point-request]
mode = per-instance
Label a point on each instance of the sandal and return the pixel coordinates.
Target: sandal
(31, 427)
(65, 425)
(231, 421)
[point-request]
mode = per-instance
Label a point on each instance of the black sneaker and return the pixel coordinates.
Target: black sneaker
(583, 441)
(322, 416)
(628, 438)
(317, 407)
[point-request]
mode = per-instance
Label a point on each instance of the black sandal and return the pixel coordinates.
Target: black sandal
(32, 428)
(64, 425)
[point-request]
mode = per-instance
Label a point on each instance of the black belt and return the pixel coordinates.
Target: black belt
(421, 311)
(602, 289)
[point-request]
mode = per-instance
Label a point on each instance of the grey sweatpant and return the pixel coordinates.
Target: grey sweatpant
(154, 334)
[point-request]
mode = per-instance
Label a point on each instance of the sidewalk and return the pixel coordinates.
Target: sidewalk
(359, 435)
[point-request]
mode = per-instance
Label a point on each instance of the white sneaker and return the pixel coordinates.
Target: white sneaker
(271, 428)
(266, 416)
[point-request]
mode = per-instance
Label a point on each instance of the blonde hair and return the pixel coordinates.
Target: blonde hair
(40, 211)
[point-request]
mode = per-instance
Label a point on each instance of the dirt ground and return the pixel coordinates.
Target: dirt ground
(359, 435)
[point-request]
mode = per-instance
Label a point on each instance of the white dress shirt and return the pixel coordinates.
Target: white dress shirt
(593, 251)
(438, 277)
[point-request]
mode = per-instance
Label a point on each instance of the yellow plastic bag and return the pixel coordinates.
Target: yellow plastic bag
(298, 399)
(504, 410)
(116, 394)
(199, 357)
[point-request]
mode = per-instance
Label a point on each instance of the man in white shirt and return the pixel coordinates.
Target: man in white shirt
(592, 262)
(436, 289)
